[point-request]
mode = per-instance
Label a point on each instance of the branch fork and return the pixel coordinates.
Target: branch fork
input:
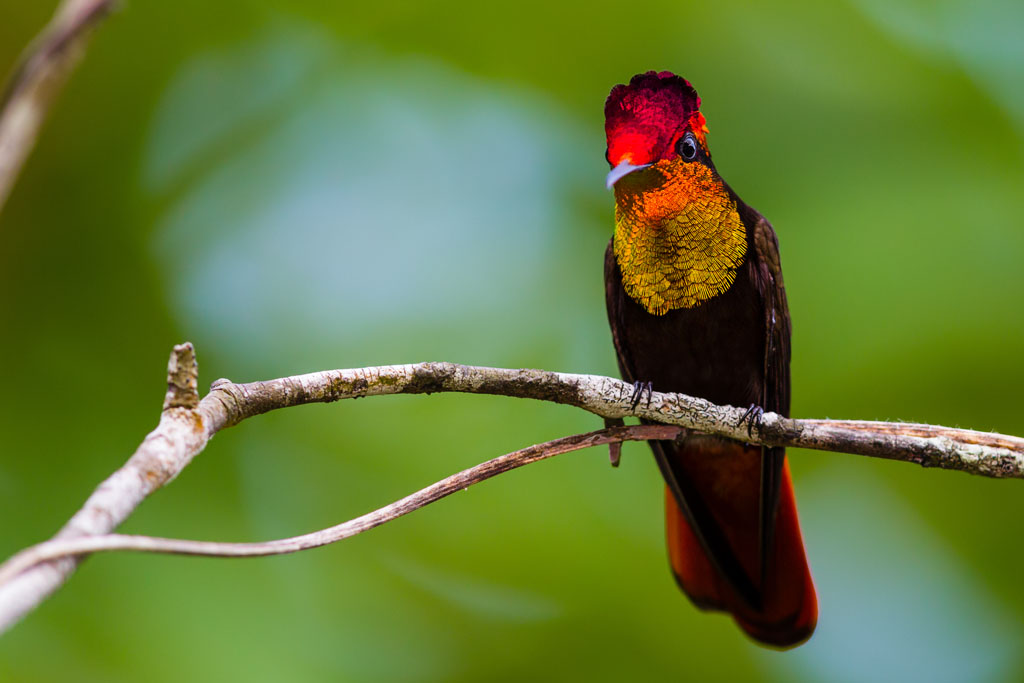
(187, 423)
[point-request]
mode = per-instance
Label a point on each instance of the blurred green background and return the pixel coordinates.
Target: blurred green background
(303, 185)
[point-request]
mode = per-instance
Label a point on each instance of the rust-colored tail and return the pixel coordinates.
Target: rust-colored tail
(787, 608)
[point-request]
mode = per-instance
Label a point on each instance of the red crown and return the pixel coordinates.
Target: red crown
(644, 119)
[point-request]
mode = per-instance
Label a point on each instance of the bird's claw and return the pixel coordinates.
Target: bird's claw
(752, 417)
(638, 393)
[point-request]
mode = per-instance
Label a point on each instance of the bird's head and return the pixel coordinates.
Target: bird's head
(654, 121)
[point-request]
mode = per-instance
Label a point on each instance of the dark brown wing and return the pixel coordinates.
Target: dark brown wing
(768, 278)
(613, 301)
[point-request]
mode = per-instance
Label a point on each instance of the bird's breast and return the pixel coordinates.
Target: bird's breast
(678, 244)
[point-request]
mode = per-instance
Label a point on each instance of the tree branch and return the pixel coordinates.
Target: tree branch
(187, 424)
(43, 68)
(992, 455)
(55, 549)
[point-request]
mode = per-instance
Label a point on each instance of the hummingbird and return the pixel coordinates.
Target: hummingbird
(697, 305)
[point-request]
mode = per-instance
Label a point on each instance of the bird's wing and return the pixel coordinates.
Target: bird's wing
(775, 397)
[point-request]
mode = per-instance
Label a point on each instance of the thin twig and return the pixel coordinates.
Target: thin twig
(55, 549)
(187, 425)
(43, 68)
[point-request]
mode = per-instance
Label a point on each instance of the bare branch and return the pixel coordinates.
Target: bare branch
(161, 456)
(43, 68)
(992, 455)
(187, 426)
(57, 548)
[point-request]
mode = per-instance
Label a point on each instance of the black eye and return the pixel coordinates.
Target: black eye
(687, 147)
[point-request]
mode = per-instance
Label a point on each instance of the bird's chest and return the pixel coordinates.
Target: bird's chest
(714, 350)
(676, 249)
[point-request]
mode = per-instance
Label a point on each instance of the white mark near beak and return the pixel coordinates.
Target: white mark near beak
(623, 169)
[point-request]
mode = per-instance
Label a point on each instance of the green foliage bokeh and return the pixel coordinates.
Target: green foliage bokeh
(305, 185)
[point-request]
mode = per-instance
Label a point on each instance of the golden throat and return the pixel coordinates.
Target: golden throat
(679, 242)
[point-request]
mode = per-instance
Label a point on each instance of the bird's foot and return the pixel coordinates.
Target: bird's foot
(638, 393)
(752, 417)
